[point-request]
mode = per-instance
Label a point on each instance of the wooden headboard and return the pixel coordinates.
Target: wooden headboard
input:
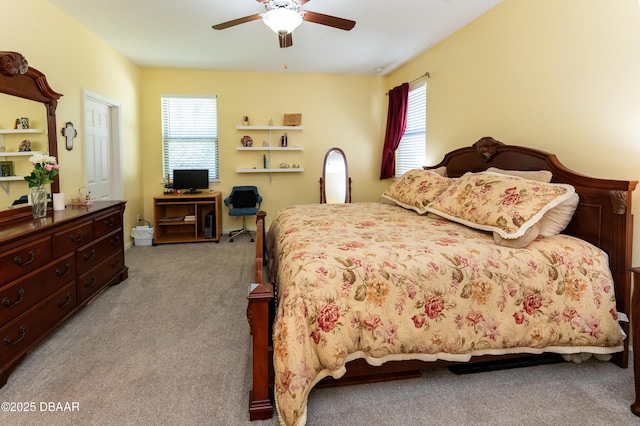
(603, 216)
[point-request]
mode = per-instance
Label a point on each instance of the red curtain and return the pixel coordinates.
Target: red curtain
(396, 125)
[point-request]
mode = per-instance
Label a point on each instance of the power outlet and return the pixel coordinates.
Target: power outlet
(137, 218)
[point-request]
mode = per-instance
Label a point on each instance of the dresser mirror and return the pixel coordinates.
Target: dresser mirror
(335, 183)
(27, 91)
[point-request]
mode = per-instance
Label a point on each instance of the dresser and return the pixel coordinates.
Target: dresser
(51, 268)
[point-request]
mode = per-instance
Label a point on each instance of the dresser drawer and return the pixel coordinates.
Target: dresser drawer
(93, 280)
(18, 336)
(20, 295)
(72, 238)
(108, 223)
(92, 254)
(21, 261)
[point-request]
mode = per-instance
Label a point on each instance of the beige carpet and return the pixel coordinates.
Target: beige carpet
(170, 346)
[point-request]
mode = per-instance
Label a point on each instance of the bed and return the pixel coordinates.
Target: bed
(377, 291)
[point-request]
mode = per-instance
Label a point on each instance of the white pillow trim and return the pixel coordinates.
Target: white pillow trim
(570, 190)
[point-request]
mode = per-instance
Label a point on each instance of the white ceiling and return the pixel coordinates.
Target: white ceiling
(178, 33)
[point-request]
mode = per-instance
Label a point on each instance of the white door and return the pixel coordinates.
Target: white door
(98, 161)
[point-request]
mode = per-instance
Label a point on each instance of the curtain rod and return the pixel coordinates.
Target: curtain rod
(426, 74)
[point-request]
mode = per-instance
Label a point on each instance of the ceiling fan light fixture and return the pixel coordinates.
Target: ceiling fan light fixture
(282, 20)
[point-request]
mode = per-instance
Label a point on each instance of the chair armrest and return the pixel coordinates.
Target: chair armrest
(227, 201)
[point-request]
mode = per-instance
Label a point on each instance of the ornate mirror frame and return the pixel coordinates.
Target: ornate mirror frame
(323, 179)
(20, 80)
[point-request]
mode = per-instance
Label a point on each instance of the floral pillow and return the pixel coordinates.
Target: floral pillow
(507, 205)
(416, 188)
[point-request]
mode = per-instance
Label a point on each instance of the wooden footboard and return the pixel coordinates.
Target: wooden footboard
(259, 316)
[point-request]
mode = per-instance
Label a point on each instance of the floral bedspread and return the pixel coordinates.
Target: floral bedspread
(376, 281)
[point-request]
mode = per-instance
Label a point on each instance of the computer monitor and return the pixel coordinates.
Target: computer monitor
(191, 180)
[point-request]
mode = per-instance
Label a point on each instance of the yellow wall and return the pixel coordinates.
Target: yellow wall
(74, 60)
(558, 75)
(337, 111)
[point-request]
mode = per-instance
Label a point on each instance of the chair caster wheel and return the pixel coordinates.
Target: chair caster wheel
(252, 240)
(231, 240)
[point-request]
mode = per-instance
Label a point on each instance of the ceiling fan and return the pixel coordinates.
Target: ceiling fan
(284, 16)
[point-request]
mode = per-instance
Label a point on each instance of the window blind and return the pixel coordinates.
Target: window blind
(190, 134)
(411, 153)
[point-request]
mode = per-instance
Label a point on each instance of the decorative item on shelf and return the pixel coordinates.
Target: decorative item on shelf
(69, 133)
(295, 166)
(265, 164)
(168, 186)
(284, 166)
(292, 119)
(271, 122)
(284, 140)
(22, 123)
(45, 168)
(25, 146)
(84, 197)
(246, 141)
(6, 168)
(265, 143)
(245, 120)
(58, 201)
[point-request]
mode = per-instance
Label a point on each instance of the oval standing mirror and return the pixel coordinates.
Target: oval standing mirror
(335, 183)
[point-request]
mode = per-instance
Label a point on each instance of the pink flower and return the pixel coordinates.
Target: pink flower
(433, 306)
(532, 303)
(328, 317)
(519, 317)
(418, 320)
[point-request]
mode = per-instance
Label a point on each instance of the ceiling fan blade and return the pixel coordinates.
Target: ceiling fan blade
(285, 41)
(237, 22)
(331, 21)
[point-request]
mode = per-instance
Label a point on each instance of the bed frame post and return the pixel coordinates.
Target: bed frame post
(260, 298)
(635, 329)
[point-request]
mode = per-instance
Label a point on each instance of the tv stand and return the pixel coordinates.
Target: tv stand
(192, 191)
(180, 218)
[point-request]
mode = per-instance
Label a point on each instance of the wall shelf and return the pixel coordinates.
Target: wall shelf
(19, 153)
(4, 180)
(270, 148)
(276, 170)
(19, 131)
(270, 127)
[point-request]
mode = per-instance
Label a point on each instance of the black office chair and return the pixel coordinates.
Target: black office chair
(243, 201)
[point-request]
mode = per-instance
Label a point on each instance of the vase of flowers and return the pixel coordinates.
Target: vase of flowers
(45, 167)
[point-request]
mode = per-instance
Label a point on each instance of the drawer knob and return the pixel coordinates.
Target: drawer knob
(90, 283)
(62, 304)
(75, 238)
(7, 303)
(109, 222)
(23, 332)
(18, 260)
(89, 256)
(65, 271)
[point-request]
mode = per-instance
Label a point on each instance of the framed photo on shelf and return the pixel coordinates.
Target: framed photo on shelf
(6, 168)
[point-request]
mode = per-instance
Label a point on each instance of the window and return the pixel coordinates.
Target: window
(411, 153)
(190, 134)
